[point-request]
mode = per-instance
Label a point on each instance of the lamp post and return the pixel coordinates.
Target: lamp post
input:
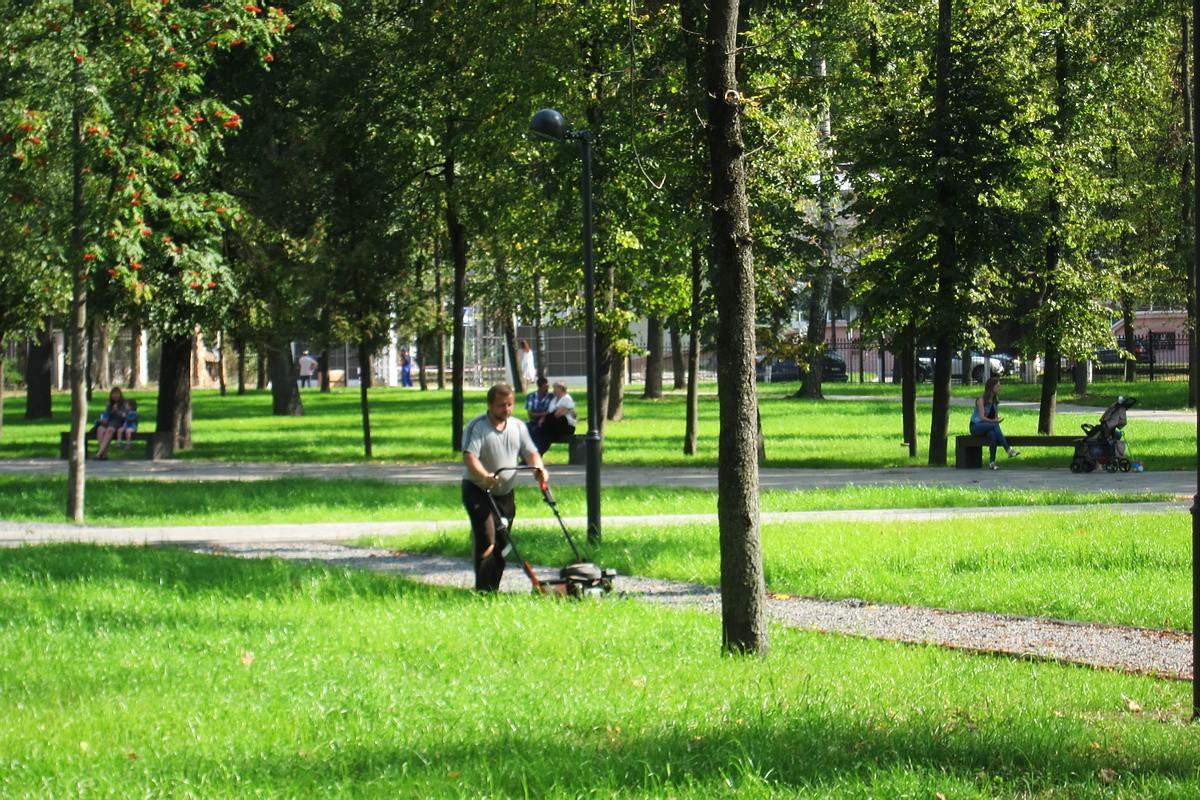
(550, 124)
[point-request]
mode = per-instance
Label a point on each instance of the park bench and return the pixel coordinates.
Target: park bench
(158, 445)
(968, 450)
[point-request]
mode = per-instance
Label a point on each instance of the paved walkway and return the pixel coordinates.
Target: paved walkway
(13, 534)
(1180, 483)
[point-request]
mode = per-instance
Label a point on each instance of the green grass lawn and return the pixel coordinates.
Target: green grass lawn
(154, 672)
(412, 426)
(1094, 565)
(1164, 395)
(294, 500)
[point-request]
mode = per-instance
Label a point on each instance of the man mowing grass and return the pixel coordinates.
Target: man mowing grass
(491, 442)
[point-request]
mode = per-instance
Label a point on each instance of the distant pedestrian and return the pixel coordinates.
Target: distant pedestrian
(406, 365)
(493, 441)
(307, 365)
(525, 359)
(985, 421)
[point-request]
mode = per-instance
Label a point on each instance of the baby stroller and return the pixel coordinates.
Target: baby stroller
(1103, 444)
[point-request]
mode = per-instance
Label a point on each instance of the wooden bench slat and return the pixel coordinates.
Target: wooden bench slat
(968, 450)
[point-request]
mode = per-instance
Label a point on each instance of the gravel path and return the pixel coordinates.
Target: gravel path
(1166, 654)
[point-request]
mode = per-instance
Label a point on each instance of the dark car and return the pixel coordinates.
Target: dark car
(1111, 356)
(785, 369)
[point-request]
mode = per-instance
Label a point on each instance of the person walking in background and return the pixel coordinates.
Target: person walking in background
(492, 441)
(406, 365)
(559, 423)
(307, 365)
(525, 363)
(129, 426)
(111, 419)
(986, 422)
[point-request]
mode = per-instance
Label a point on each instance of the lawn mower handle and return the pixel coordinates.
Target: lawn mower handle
(548, 496)
(543, 485)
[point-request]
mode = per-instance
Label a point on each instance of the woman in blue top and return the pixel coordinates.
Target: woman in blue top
(986, 422)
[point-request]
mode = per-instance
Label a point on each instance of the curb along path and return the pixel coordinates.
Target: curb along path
(1161, 653)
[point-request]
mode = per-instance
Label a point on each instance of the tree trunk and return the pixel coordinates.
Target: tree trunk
(103, 369)
(38, 361)
(967, 366)
(441, 325)
(90, 361)
(822, 281)
(539, 354)
(1187, 224)
(458, 249)
(364, 357)
(616, 389)
(323, 365)
(285, 393)
(221, 362)
(678, 365)
(1127, 317)
(174, 413)
(260, 363)
(654, 359)
(514, 360)
(604, 369)
(908, 387)
(1080, 375)
(240, 346)
(693, 372)
(76, 327)
(947, 252)
(135, 355)
(743, 601)
(1048, 408)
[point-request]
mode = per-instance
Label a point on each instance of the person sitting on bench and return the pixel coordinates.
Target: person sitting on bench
(985, 422)
(559, 423)
(112, 418)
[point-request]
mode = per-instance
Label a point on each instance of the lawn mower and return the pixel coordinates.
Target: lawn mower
(577, 579)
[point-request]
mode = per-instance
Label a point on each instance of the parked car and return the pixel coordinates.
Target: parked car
(927, 357)
(833, 369)
(1110, 356)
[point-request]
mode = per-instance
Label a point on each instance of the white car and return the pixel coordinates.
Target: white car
(926, 358)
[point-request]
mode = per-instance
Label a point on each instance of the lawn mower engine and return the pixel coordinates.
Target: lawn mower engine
(579, 580)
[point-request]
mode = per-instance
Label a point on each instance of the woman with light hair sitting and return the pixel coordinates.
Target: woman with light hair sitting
(559, 423)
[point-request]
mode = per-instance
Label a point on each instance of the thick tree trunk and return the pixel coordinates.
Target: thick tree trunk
(1048, 409)
(678, 364)
(285, 394)
(174, 413)
(458, 248)
(743, 601)
(1079, 374)
(323, 366)
(654, 359)
(38, 361)
(947, 251)
(364, 357)
(693, 372)
(908, 388)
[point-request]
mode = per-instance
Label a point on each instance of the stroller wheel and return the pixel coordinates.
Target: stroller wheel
(1076, 466)
(1125, 465)
(1089, 466)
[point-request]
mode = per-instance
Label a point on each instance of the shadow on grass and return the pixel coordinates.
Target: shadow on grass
(172, 569)
(585, 754)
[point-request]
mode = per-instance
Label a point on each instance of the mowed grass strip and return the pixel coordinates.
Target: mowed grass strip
(300, 500)
(134, 672)
(1093, 565)
(411, 426)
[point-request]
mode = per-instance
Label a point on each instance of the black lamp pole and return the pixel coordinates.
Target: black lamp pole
(1195, 298)
(550, 124)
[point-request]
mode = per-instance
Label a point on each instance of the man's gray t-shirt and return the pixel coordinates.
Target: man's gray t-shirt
(496, 449)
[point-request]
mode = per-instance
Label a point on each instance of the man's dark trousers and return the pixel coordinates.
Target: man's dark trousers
(484, 533)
